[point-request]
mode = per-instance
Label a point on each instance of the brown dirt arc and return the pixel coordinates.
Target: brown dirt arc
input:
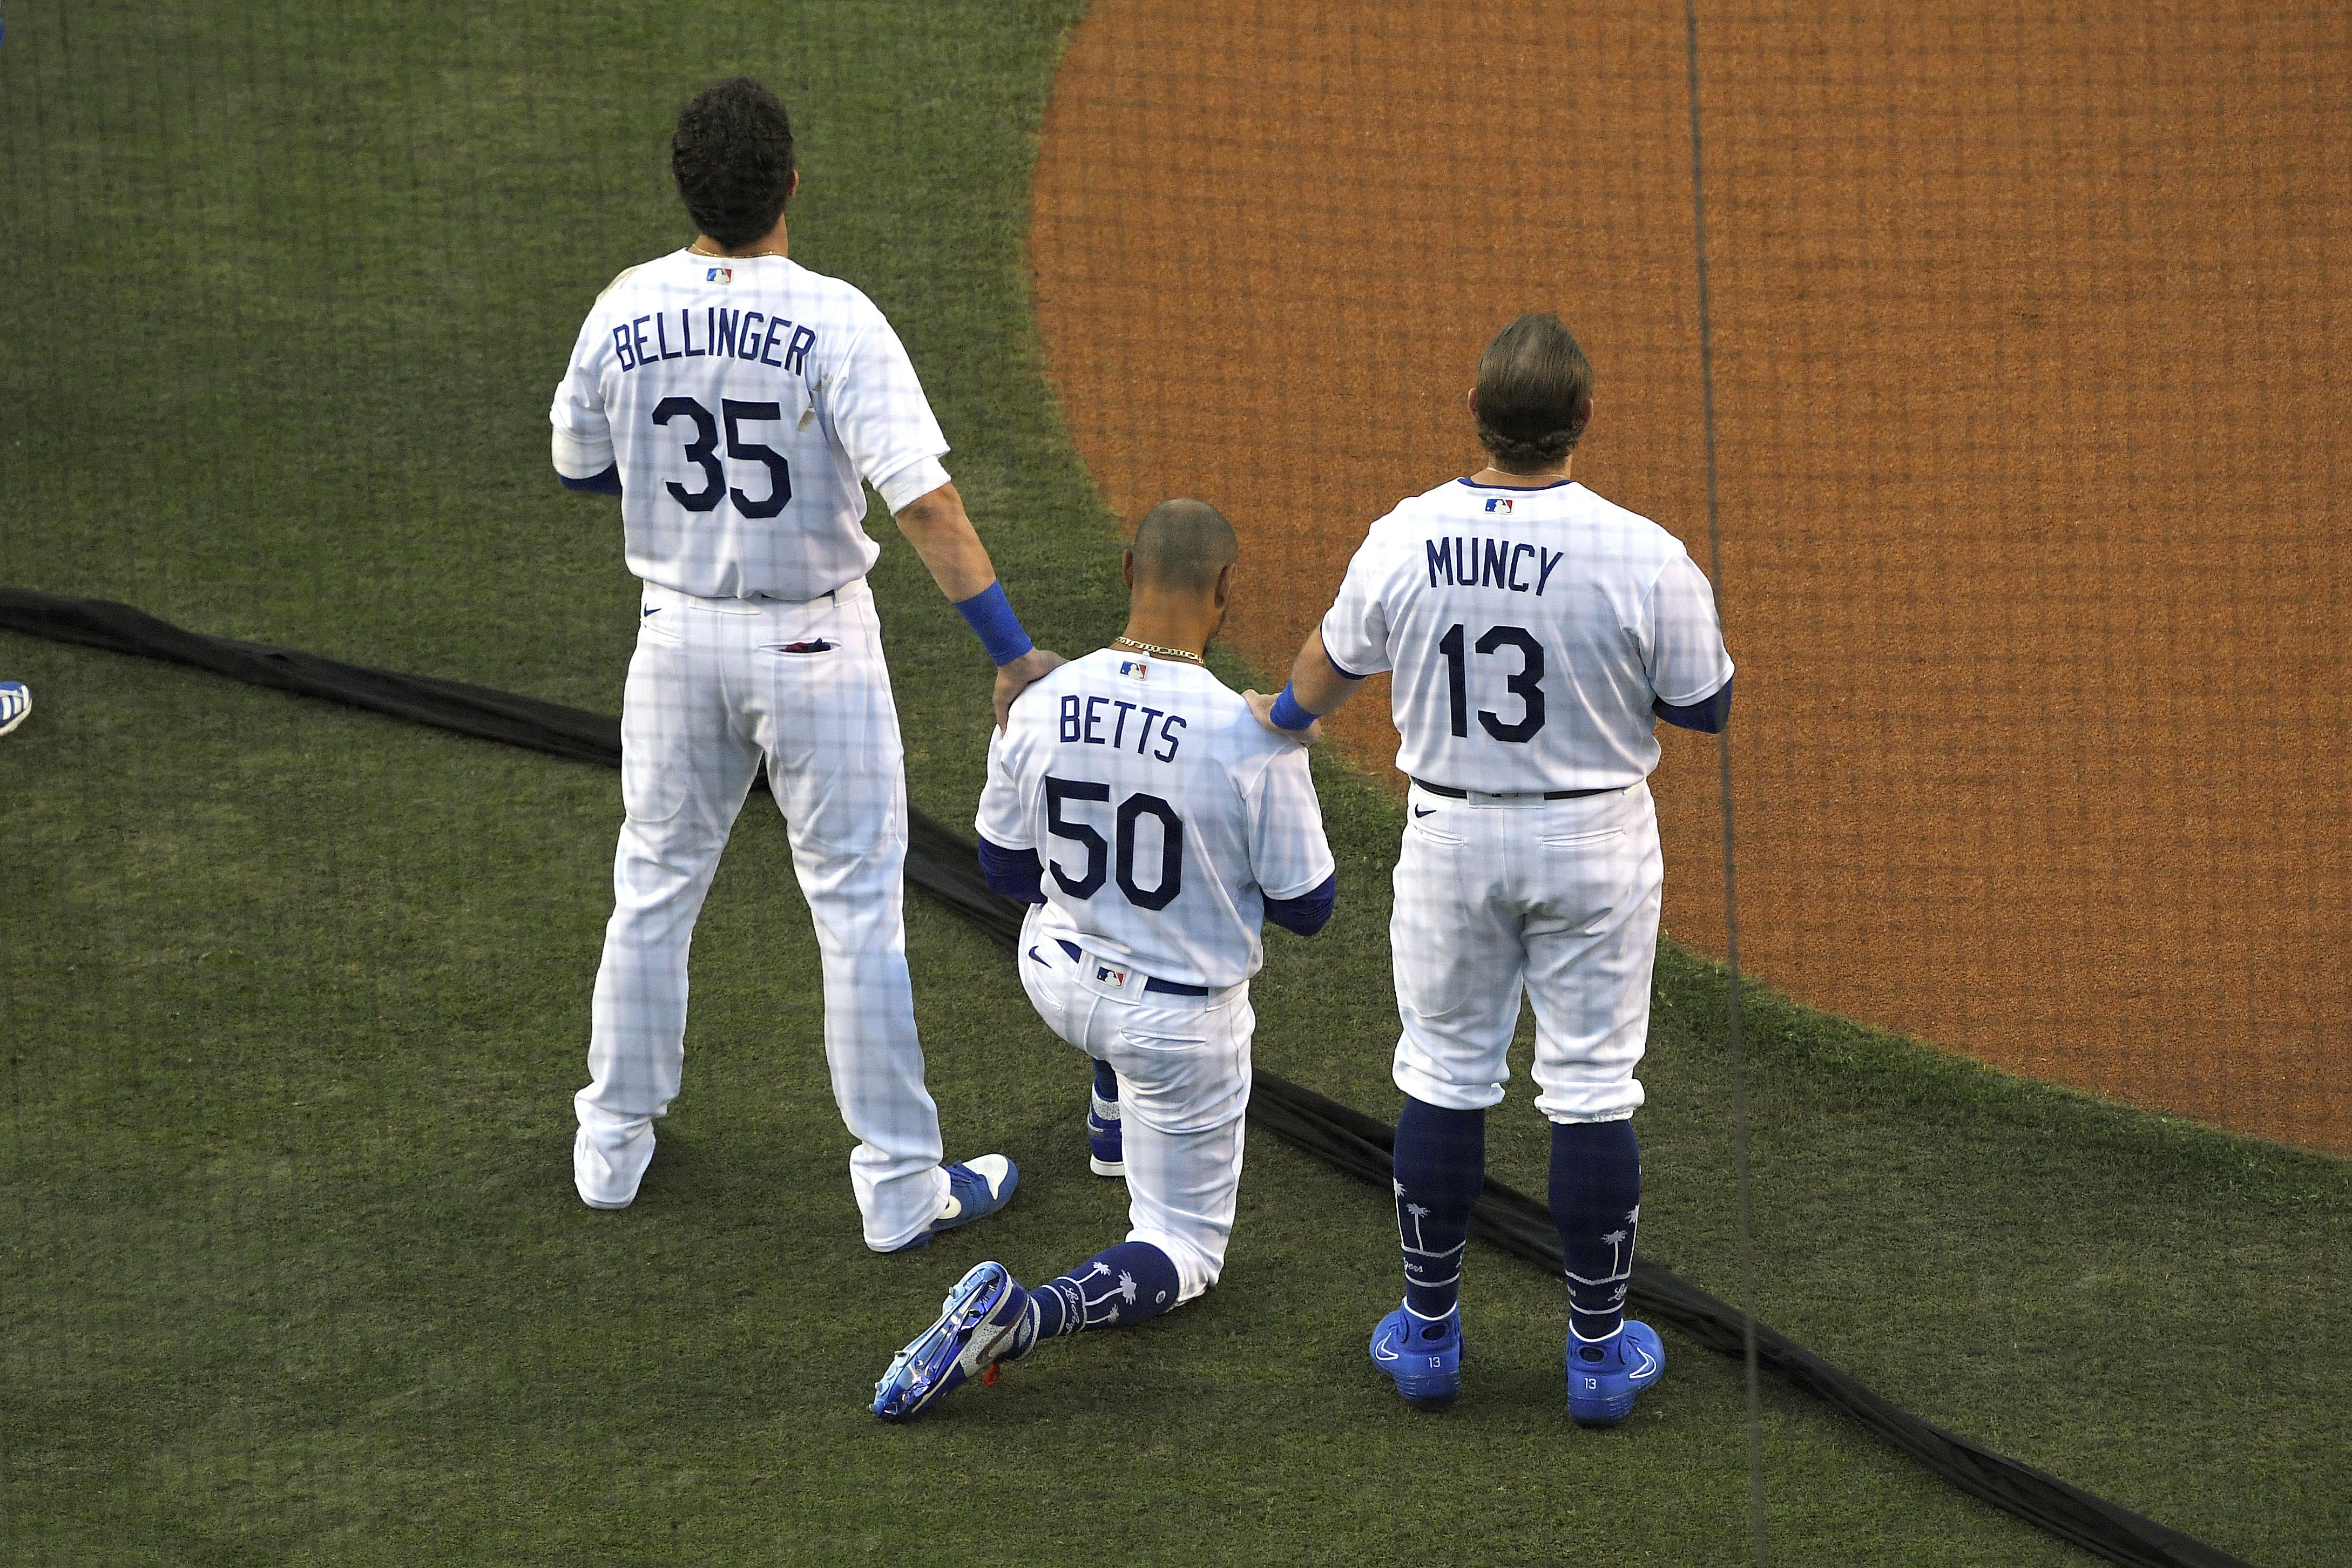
(2032, 478)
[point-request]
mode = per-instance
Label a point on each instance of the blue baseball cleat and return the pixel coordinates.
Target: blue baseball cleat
(1106, 1145)
(1428, 1372)
(976, 1189)
(1604, 1378)
(16, 702)
(976, 1325)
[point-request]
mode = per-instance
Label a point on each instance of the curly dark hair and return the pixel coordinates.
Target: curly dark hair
(1534, 396)
(732, 158)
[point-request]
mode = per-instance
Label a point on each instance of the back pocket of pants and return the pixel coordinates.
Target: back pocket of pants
(1597, 842)
(1175, 1085)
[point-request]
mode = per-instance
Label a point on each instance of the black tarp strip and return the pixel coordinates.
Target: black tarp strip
(942, 864)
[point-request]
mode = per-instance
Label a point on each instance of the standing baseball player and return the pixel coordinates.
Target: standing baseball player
(1537, 633)
(735, 401)
(1152, 823)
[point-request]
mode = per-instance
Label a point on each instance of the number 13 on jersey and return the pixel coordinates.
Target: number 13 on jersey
(1525, 683)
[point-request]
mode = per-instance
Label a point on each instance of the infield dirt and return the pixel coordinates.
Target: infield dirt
(2031, 482)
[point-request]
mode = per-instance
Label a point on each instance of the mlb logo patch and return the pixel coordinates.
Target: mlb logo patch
(1105, 973)
(719, 275)
(1499, 503)
(1134, 669)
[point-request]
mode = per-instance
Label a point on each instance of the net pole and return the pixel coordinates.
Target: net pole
(1723, 783)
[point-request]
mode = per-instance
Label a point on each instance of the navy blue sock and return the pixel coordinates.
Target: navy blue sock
(1117, 1286)
(1440, 1166)
(1596, 1202)
(1106, 1083)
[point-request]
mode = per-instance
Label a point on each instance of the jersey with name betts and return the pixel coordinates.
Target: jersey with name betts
(1164, 813)
(744, 399)
(1530, 631)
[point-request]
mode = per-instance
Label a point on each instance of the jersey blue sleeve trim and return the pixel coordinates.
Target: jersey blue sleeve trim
(1017, 874)
(1529, 488)
(1306, 914)
(1708, 715)
(1345, 673)
(607, 483)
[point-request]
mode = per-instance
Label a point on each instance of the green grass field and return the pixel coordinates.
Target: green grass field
(291, 1270)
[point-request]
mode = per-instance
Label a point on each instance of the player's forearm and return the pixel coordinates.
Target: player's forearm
(936, 525)
(1318, 684)
(1317, 687)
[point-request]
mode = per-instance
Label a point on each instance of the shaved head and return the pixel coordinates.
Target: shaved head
(1181, 545)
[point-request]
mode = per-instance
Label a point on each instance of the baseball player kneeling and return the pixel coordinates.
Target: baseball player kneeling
(1152, 823)
(1538, 633)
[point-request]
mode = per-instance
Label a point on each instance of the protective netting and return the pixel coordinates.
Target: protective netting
(2024, 324)
(2030, 496)
(944, 865)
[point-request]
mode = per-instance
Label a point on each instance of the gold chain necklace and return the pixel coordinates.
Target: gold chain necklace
(1125, 641)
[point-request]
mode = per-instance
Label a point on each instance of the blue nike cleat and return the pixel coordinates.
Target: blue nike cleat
(975, 1326)
(1106, 1147)
(1604, 1378)
(1428, 1372)
(16, 702)
(976, 1189)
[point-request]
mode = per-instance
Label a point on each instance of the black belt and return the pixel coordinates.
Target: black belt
(1165, 987)
(1452, 794)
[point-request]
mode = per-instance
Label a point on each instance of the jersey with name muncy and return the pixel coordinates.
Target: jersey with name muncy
(1164, 813)
(744, 398)
(1530, 631)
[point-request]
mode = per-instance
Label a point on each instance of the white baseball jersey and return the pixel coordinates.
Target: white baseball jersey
(1165, 815)
(1530, 630)
(744, 399)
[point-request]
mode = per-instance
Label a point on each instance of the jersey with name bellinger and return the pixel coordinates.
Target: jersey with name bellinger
(1530, 631)
(744, 399)
(1164, 813)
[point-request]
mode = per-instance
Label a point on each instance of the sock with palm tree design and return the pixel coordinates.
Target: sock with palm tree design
(1440, 1166)
(1117, 1286)
(1596, 1204)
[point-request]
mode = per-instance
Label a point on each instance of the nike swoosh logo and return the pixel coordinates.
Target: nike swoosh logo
(1424, 811)
(1647, 1362)
(655, 611)
(1035, 954)
(1383, 1352)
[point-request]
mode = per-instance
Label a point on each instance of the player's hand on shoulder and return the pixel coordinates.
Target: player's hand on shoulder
(1262, 705)
(1013, 679)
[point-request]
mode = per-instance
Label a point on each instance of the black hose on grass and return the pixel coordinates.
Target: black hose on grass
(945, 866)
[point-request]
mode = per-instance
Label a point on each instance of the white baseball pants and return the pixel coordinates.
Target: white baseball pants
(1496, 895)
(716, 687)
(1183, 1066)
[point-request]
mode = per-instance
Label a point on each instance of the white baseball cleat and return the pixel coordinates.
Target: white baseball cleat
(16, 702)
(608, 1164)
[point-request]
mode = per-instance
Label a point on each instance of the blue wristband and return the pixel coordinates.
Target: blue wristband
(1288, 715)
(989, 613)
